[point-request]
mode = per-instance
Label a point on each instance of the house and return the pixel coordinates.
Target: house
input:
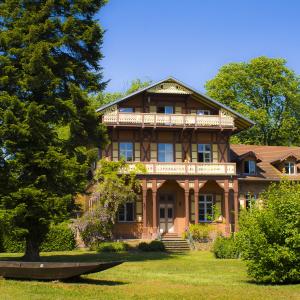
(193, 173)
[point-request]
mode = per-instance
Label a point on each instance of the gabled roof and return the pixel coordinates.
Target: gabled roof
(249, 154)
(267, 154)
(242, 122)
(286, 156)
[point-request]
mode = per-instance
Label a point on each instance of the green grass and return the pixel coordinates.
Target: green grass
(197, 275)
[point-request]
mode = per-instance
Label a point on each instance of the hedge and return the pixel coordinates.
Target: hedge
(224, 247)
(59, 238)
(153, 246)
(112, 247)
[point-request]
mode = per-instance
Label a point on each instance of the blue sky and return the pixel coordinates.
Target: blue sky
(192, 39)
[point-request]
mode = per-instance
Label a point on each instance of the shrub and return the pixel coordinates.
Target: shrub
(112, 247)
(225, 247)
(269, 237)
(59, 238)
(154, 246)
(201, 232)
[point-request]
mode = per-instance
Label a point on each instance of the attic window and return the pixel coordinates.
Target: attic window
(289, 168)
(250, 167)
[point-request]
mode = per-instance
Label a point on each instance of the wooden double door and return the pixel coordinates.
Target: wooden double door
(166, 213)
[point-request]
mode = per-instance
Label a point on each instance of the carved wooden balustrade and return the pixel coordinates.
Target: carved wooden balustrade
(158, 119)
(175, 168)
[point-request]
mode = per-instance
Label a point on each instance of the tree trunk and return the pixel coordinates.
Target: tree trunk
(32, 251)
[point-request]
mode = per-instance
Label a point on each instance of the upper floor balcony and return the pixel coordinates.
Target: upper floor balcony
(117, 118)
(175, 168)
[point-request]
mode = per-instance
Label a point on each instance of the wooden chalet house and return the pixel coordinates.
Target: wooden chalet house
(193, 175)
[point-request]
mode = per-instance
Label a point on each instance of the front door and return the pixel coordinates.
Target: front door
(166, 213)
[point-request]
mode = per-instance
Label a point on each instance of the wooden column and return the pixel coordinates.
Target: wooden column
(226, 199)
(187, 206)
(196, 200)
(236, 204)
(154, 201)
(144, 191)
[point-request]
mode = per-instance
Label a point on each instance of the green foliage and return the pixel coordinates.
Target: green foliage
(112, 247)
(59, 238)
(153, 246)
(269, 237)
(224, 247)
(49, 62)
(201, 232)
(267, 92)
(104, 98)
(115, 186)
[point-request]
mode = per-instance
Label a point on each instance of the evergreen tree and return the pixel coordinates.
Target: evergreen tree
(49, 62)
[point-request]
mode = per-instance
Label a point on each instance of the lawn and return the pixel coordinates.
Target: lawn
(197, 275)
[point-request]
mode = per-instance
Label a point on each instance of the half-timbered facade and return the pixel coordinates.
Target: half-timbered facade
(192, 173)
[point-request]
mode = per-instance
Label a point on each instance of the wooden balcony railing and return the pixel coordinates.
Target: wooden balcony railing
(174, 168)
(158, 119)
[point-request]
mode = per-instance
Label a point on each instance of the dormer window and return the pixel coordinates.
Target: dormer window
(126, 109)
(289, 168)
(165, 109)
(250, 167)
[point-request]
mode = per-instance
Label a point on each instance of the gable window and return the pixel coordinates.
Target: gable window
(204, 153)
(289, 168)
(203, 112)
(165, 152)
(165, 109)
(126, 212)
(205, 208)
(126, 109)
(126, 151)
(250, 167)
(250, 200)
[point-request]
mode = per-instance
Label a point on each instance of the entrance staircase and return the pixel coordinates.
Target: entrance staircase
(174, 243)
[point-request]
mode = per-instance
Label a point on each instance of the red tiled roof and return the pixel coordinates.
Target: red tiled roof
(267, 154)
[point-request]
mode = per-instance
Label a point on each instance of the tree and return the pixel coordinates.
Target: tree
(104, 98)
(267, 92)
(49, 62)
(269, 237)
(115, 185)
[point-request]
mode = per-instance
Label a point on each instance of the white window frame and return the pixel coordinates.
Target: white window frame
(124, 207)
(123, 153)
(289, 165)
(163, 152)
(251, 167)
(205, 152)
(126, 109)
(205, 203)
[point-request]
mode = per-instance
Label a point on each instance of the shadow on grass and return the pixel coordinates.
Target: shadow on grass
(253, 282)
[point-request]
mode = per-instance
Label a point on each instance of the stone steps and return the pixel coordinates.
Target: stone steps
(174, 243)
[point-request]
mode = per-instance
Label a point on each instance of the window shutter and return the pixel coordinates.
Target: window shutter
(178, 110)
(178, 152)
(193, 111)
(215, 153)
(194, 153)
(153, 149)
(137, 151)
(152, 108)
(139, 209)
(137, 109)
(115, 151)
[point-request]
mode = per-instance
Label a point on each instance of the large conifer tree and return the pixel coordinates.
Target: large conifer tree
(49, 61)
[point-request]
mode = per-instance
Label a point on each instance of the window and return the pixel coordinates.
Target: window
(289, 167)
(205, 208)
(250, 199)
(165, 109)
(202, 112)
(165, 153)
(126, 109)
(204, 153)
(126, 151)
(126, 212)
(249, 167)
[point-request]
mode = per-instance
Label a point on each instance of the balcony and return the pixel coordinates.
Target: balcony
(167, 120)
(162, 168)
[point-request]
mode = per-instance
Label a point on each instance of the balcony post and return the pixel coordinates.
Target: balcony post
(187, 206)
(196, 200)
(154, 201)
(144, 191)
(226, 199)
